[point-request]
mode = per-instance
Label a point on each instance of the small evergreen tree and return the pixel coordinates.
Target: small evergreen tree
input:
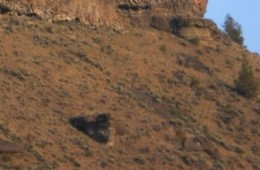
(246, 84)
(233, 30)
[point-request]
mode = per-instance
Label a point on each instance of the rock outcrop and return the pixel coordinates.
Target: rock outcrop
(91, 12)
(103, 12)
(165, 7)
(189, 28)
(182, 17)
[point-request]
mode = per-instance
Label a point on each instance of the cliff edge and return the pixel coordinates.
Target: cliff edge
(102, 12)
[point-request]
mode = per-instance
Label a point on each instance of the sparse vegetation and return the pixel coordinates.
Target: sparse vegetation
(181, 134)
(177, 112)
(5, 157)
(194, 81)
(195, 41)
(163, 49)
(246, 84)
(233, 30)
(157, 87)
(239, 150)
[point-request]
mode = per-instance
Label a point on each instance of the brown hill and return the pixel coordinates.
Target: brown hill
(170, 97)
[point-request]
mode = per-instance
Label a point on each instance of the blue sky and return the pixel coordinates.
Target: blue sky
(245, 12)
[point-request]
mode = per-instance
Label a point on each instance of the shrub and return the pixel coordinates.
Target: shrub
(194, 81)
(233, 30)
(246, 84)
(177, 112)
(163, 49)
(195, 41)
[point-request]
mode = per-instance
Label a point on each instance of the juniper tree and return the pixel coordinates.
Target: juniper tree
(246, 84)
(233, 30)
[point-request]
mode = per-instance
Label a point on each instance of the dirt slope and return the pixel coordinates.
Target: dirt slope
(171, 101)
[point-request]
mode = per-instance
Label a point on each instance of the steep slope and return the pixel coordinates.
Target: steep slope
(171, 100)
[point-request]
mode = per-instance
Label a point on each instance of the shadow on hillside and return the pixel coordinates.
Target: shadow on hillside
(96, 127)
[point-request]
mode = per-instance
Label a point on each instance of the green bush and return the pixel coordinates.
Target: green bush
(246, 84)
(233, 30)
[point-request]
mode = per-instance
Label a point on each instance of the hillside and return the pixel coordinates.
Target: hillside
(171, 99)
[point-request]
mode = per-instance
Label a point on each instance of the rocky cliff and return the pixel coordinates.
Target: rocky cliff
(165, 7)
(102, 12)
(92, 12)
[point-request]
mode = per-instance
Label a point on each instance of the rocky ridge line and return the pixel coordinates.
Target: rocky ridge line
(102, 12)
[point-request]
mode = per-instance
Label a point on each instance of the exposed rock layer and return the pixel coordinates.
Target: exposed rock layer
(93, 12)
(102, 12)
(189, 28)
(165, 7)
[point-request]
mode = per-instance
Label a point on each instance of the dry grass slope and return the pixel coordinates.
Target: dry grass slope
(172, 102)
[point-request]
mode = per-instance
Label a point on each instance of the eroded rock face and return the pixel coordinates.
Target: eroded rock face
(92, 12)
(165, 7)
(102, 12)
(189, 28)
